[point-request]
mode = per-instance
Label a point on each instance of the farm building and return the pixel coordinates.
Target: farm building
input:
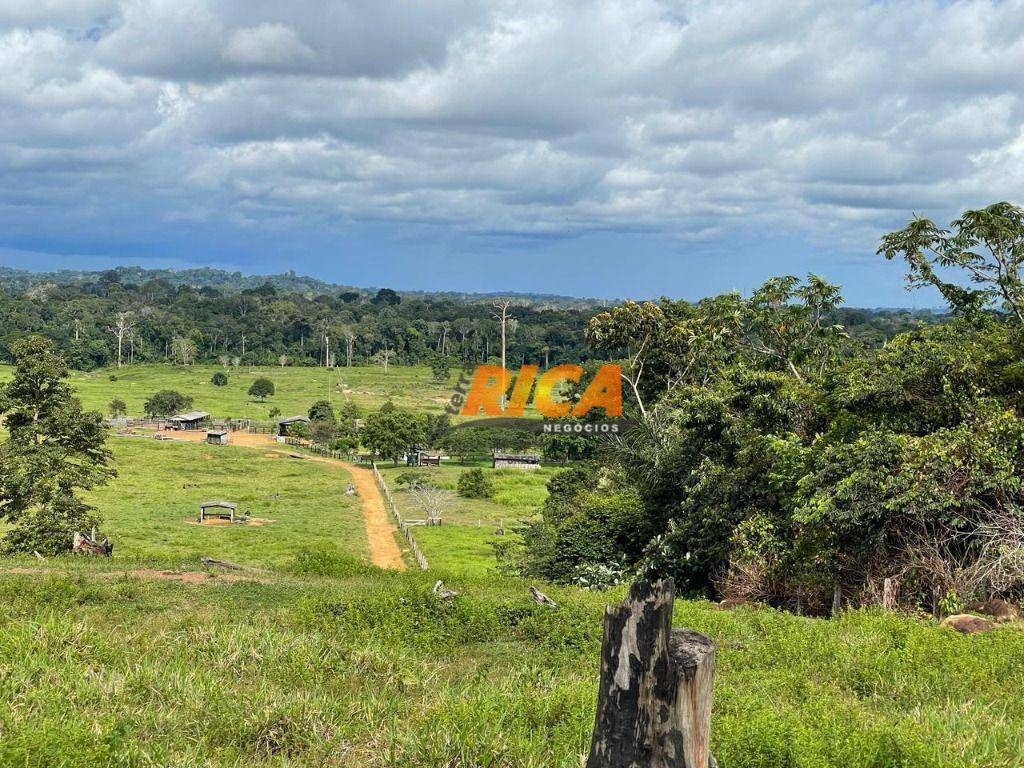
(217, 509)
(192, 420)
(423, 459)
(515, 460)
(217, 437)
(284, 424)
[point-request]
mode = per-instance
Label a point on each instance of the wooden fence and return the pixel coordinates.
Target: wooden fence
(403, 526)
(321, 450)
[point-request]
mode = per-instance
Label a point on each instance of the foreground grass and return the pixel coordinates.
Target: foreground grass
(297, 388)
(150, 509)
(367, 668)
(464, 543)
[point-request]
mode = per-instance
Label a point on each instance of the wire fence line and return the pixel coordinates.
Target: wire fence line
(403, 526)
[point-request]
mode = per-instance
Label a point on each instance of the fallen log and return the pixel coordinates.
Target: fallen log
(654, 698)
(541, 599)
(443, 592)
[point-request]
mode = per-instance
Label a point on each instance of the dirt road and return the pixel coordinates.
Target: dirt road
(380, 533)
(249, 440)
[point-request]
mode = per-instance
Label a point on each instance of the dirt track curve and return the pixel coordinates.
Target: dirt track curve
(380, 533)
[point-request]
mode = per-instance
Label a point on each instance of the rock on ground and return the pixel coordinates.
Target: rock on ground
(967, 623)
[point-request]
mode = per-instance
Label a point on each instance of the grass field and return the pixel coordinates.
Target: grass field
(150, 510)
(296, 388)
(464, 542)
(315, 658)
(370, 670)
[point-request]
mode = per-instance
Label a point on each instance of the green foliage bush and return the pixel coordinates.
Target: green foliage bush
(772, 460)
(50, 528)
(326, 562)
(219, 379)
(475, 484)
(440, 369)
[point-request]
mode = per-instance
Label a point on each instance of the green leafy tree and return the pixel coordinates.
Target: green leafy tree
(166, 402)
(984, 247)
(387, 297)
(467, 443)
(440, 369)
(438, 428)
(636, 329)
(788, 322)
(117, 408)
(391, 432)
(53, 450)
(219, 379)
(262, 388)
(348, 426)
(321, 410)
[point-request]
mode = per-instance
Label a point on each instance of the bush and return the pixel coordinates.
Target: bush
(50, 529)
(475, 484)
(323, 431)
(413, 477)
(219, 379)
(325, 562)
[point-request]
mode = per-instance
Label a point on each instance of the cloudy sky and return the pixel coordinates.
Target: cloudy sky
(602, 148)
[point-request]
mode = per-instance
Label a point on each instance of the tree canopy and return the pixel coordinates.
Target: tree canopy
(53, 450)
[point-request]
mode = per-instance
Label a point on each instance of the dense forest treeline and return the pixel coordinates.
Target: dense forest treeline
(131, 316)
(774, 461)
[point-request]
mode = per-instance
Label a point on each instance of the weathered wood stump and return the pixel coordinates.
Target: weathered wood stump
(85, 544)
(654, 701)
(888, 594)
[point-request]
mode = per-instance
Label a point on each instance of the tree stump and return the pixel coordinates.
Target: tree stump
(90, 545)
(654, 700)
(888, 594)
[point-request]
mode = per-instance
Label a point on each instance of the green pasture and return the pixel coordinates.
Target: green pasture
(464, 542)
(353, 667)
(315, 658)
(150, 509)
(296, 388)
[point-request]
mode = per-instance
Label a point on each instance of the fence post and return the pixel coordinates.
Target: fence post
(405, 529)
(654, 699)
(888, 594)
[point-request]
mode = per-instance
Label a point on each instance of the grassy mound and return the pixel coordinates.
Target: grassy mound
(368, 668)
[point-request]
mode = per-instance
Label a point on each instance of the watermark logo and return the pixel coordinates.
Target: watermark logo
(485, 390)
